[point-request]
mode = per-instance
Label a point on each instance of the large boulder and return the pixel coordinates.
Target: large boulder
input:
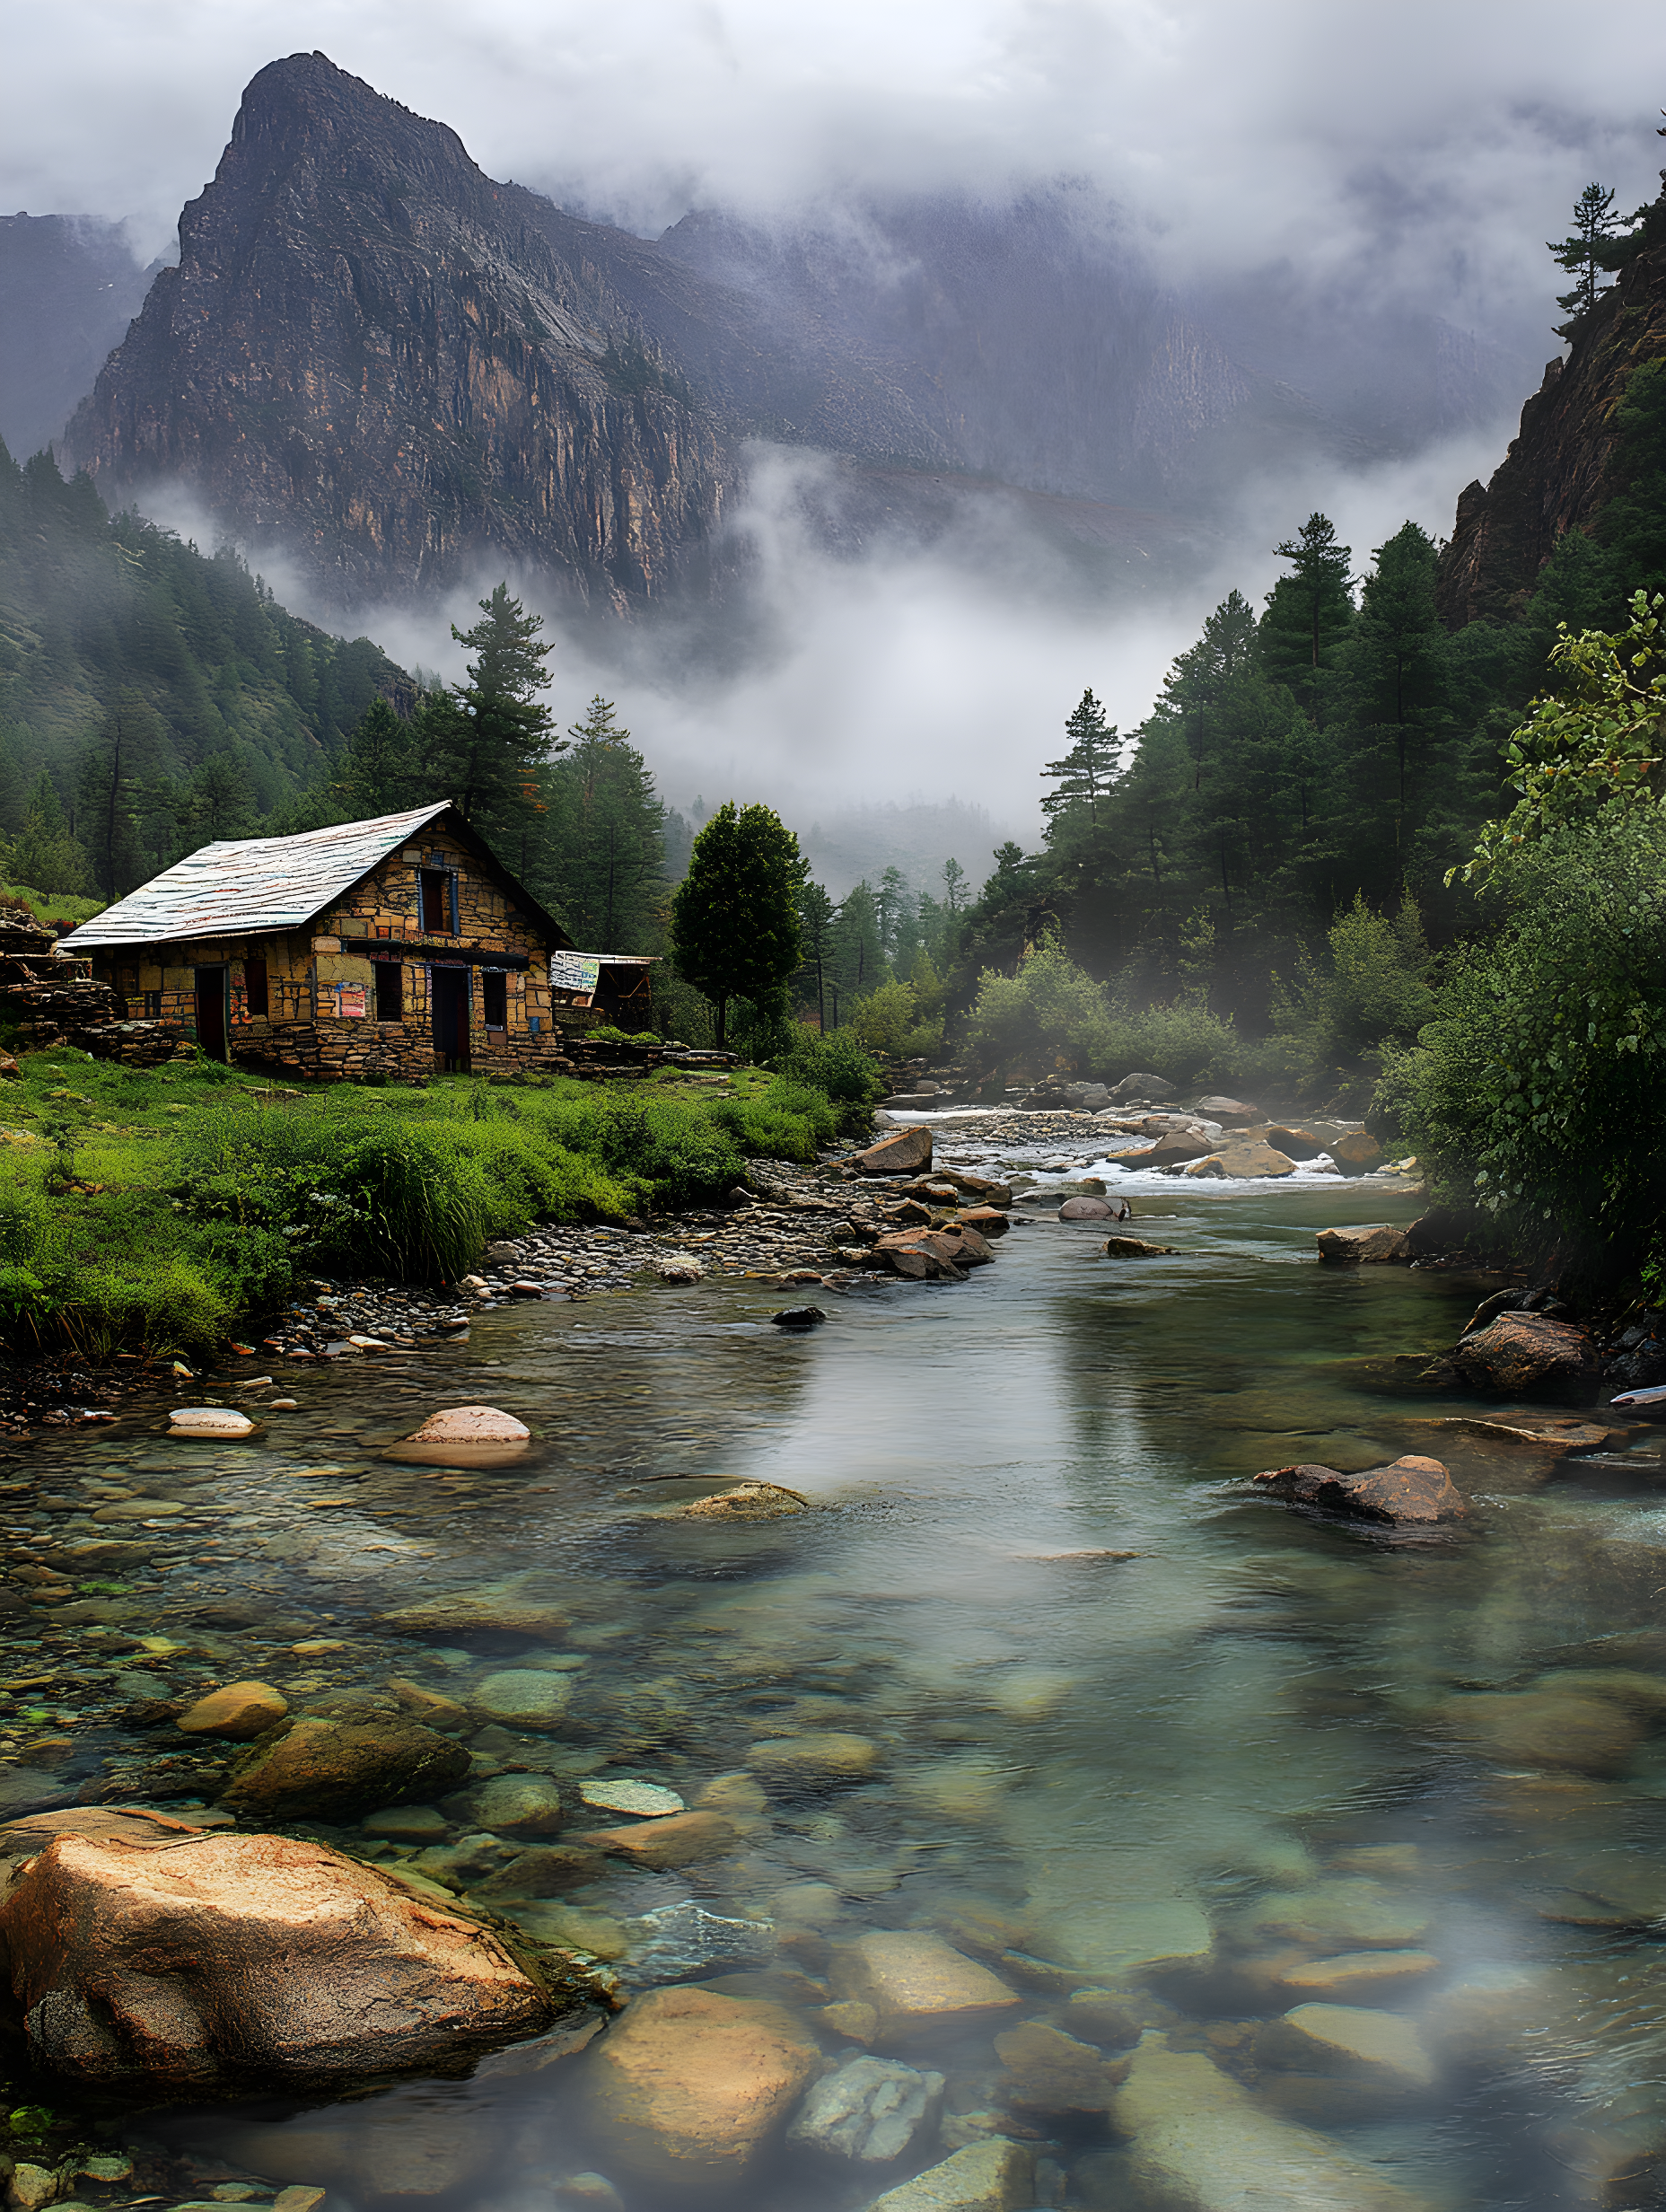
(1408, 1493)
(905, 1154)
(471, 1425)
(319, 1768)
(1382, 1241)
(1090, 1209)
(690, 2085)
(1243, 1157)
(1356, 1153)
(1227, 1111)
(923, 1255)
(1294, 1142)
(1175, 1150)
(1522, 1355)
(1140, 1085)
(239, 1961)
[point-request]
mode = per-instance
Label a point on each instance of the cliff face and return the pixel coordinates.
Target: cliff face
(1556, 475)
(68, 289)
(375, 355)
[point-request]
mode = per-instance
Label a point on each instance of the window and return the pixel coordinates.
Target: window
(436, 901)
(389, 990)
(495, 993)
(254, 989)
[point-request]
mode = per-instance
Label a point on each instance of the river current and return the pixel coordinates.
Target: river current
(1135, 1729)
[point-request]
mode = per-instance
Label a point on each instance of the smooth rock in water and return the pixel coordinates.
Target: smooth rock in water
(518, 1805)
(678, 1267)
(1379, 1243)
(997, 2176)
(325, 1769)
(905, 1154)
(207, 1421)
(1544, 1728)
(680, 1941)
(1135, 1248)
(1294, 1142)
(243, 1960)
(970, 1249)
(1091, 1209)
(615, 1794)
(471, 1425)
(1355, 2041)
(1103, 2016)
(432, 1710)
(1048, 2071)
(826, 1754)
(238, 1713)
(689, 2086)
(1246, 1158)
(680, 1840)
(1355, 1153)
(1354, 1971)
(1356, 1915)
(1140, 1085)
(1175, 1150)
(479, 1612)
(407, 1825)
(1411, 1492)
(1203, 2144)
(798, 1317)
(1227, 1110)
(868, 2112)
(523, 1698)
(747, 1501)
(918, 1986)
(1524, 1354)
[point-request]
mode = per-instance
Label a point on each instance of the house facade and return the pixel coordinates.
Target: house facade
(394, 948)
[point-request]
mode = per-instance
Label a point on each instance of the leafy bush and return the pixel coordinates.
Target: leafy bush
(837, 1065)
(1534, 1092)
(884, 1018)
(1370, 988)
(1051, 1013)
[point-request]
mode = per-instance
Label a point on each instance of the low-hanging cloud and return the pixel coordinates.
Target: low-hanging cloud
(1431, 148)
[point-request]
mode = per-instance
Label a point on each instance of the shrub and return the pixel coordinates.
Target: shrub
(1534, 1090)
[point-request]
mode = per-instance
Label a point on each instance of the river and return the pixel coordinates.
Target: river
(1132, 1729)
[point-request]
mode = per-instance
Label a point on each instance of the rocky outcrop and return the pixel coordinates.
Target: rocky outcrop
(1558, 473)
(1409, 1492)
(1524, 1355)
(222, 1961)
(376, 355)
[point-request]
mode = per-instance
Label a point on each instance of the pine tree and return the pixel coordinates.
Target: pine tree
(378, 772)
(1088, 770)
(815, 925)
(45, 856)
(483, 741)
(607, 838)
(1307, 613)
(1397, 655)
(955, 895)
(734, 919)
(1582, 254)
(126, 749)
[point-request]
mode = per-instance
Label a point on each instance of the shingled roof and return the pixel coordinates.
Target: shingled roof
(254, 883)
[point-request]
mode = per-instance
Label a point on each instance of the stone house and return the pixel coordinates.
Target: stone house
(398, 947)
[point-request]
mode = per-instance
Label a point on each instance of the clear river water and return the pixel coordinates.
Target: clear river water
(1133, 1728)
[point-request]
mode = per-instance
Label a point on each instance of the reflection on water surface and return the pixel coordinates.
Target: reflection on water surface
(1361, 1833)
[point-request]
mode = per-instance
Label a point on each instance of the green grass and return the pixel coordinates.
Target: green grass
(167, 1208)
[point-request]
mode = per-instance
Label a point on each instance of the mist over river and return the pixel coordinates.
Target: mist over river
(1299, 1860)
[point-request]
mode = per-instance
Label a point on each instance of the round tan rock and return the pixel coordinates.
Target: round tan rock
(208, 1421)
(471, 1425)
(822, 1754)
(523, 1698)
(690, 2085)
(240, 1712)
(918, 1985)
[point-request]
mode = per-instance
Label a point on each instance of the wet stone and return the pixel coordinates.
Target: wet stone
(870, 2110)
(523, 1698)
(680, 1942)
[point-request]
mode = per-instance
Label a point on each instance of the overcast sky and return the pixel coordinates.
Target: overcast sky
(1442, 143)
(1410, 150)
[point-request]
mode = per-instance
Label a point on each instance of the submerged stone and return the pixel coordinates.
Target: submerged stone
(240, 1711)
(325, 1770)
(1381, 2049)
(870, 2110)
(1409, 1492)
(505, 1609)
(917, 1985)
(997, 2176)
(612, 1793)
(690, 2085)
(680, 1941)
(523, 1698)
